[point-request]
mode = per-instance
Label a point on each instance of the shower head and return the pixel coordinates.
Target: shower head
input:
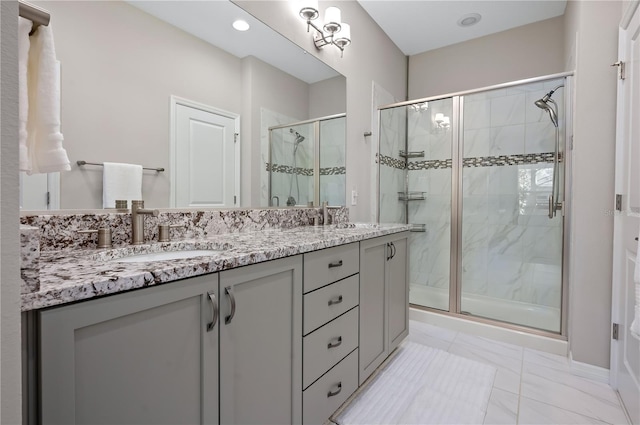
(299, 138)
(544, 104)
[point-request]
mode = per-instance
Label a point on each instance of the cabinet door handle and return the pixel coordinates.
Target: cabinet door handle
(335, 300)
(335, 264)
(337, 343)
(214, 311)
(388, 251)
(232, 300)
(393, 250)
(337, 391)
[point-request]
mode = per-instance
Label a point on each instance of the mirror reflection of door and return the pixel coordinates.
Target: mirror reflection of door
(205, 157)
(39, 191)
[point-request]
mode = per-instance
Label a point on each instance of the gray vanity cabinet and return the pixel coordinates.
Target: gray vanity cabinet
(148, 356)
(261, 343)
(384, 299)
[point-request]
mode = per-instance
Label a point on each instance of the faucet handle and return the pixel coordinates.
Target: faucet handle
(164, 231)
(104, 236)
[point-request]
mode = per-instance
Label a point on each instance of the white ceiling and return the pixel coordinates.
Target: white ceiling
(418, 26)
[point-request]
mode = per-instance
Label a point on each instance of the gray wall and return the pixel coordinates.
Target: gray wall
(528, 51)
(591, 45)
(10, 386)
(372, 56)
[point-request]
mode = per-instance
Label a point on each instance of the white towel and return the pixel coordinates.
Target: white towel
(24, 27)
(635, 325)
(121, 181)
(44, 140)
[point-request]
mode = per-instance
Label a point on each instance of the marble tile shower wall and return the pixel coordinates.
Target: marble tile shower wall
(60, 232)
(511, 249)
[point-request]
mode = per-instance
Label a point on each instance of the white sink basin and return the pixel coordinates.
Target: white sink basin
(166, 255)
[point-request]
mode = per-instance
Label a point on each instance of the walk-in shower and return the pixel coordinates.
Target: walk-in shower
(480, 177)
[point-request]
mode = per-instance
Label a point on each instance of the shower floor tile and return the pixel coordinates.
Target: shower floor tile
(531, 386)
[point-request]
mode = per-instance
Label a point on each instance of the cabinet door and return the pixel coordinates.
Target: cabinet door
(143, 357)
(261, 343)
(398, 292)
(373, 255)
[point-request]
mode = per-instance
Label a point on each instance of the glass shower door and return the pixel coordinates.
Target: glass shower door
(416, 144)
(511, 268)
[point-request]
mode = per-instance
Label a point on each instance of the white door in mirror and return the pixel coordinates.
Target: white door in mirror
(205, 159)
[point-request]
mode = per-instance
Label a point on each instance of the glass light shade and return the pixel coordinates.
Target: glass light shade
(439, 118)
(445, 121)
(332, 20)
(343, 37)
(309, 10)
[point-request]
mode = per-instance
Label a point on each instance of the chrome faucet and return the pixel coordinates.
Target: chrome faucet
(277, 200)
(325, 213)
(137, 221)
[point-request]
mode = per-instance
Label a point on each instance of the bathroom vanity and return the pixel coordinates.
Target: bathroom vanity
(275, 327)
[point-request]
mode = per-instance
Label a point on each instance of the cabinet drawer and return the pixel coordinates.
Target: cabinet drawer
(319, 401)
(328, 345)
(328, 265)
(329, 302)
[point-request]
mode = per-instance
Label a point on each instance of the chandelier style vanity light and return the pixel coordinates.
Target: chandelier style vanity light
(333, 32)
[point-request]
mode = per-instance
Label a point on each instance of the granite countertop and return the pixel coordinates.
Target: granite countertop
(68, 276)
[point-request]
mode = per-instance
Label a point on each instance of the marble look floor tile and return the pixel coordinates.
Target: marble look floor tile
(502, 408)
(534, 412)
(490, 345)
(541, 358)
(432, 336)
(576, 394)
(508, 375)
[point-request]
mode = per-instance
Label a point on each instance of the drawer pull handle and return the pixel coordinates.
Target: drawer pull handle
(214, 311)
(337, 343)
(335, 300)
(232, 300)
(335, 264)
(336, 392)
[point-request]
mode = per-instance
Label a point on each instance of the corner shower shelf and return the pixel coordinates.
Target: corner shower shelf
(418, 228)
(412, 196)
(416, 154)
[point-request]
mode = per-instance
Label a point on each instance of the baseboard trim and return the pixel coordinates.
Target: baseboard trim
(586, 370)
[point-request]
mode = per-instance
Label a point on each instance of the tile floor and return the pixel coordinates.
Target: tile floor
(531, 387)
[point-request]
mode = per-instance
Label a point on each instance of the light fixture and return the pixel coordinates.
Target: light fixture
(441, 121)
(240, 25)
(334, 31)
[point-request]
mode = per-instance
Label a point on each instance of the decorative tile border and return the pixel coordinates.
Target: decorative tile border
(393, 162)
(286, 169)
(333, 171)
(434, 164)
(481, 161)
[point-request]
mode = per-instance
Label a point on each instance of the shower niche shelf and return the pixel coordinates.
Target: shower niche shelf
(416, 154)
(418, 228)
(412, 196)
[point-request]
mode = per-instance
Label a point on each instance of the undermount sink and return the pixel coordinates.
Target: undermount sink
(166, 255)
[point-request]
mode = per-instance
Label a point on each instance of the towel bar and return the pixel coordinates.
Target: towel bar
(81, 163)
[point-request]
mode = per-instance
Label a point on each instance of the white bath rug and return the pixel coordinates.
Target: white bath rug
(423, 385)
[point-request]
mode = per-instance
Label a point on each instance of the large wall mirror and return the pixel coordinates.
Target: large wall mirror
(153, 82)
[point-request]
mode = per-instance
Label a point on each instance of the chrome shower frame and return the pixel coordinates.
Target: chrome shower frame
(456, 204)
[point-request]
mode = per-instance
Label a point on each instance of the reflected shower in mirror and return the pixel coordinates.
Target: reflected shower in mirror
(130, 70)
(307, 162)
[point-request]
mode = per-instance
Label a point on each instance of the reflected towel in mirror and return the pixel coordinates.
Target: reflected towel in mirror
(121, 181)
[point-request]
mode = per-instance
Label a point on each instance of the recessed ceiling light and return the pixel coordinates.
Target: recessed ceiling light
(240, 25)
(469, 19)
